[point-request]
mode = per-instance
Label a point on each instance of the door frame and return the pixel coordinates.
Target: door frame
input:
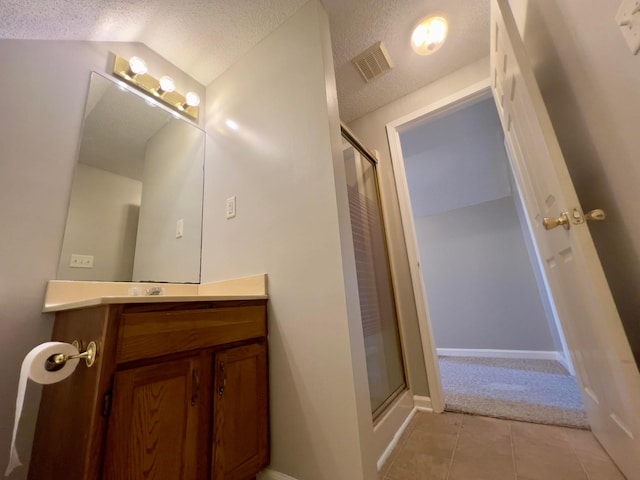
(476, 92)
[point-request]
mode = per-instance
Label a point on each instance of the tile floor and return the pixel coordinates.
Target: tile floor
(453, 446)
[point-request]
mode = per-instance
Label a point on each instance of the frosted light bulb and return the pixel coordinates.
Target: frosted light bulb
(137, 66)
(167, 84)
(193, 100)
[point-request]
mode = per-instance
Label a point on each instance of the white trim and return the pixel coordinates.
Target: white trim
(394, 441)
(489, 353)
(424, 325)
(422, 403)
(479, 90)
(447, 104)
(269, 474)
(385, 428)
(566, 363)
(527, 354)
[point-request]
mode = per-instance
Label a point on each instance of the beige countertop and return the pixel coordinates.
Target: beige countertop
(106, 300)
(68, 295)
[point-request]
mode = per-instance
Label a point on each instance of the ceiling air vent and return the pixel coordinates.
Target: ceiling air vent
(373, 62)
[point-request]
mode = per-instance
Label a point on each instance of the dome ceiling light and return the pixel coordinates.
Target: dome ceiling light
(429, 35)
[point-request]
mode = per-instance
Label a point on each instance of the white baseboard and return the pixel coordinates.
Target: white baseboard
(422, 403)
(394, 441)
(526, 354)
(269, 474)
(473, 352)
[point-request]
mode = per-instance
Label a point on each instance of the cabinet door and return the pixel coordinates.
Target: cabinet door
(154, 426)
(241, 413)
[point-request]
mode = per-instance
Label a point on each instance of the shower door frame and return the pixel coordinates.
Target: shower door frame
(351, 139)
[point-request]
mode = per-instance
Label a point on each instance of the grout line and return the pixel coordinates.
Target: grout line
(455, 447)
(513, 451)
(570, 442)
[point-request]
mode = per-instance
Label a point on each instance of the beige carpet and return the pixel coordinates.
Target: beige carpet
(538, 391)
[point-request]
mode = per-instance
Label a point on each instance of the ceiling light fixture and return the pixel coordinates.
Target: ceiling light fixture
(429, 35)
(134, 72)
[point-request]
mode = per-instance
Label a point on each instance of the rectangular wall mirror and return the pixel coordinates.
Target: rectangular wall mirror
(135, 212)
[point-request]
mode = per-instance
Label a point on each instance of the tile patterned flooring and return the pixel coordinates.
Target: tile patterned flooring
(453, 446)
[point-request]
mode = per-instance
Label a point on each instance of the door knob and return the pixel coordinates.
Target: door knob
(550, 222)
(596, 215)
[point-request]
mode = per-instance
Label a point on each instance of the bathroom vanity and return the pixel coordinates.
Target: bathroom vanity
(178, 390)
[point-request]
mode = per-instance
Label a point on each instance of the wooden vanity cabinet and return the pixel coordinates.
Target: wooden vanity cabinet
(179, 391)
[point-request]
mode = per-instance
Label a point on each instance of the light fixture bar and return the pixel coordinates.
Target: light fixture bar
(151, 86)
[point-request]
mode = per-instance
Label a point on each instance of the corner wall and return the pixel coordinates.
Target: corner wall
(282, 161)
(46, 84)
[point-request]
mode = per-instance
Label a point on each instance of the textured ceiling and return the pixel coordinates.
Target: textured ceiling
(201, 37)
(205, 37)
(357, 24)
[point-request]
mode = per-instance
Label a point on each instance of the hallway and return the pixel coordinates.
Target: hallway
(453, 446)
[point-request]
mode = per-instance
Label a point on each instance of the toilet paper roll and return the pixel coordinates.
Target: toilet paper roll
(33, 367)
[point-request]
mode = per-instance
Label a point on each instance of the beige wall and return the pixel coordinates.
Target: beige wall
(45, 85)
(589, 81)
(284, 165)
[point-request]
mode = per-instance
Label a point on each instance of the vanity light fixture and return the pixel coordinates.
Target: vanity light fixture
(429, 35)
(134, 72)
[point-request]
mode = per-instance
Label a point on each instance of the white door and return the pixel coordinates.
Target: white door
(599, 348)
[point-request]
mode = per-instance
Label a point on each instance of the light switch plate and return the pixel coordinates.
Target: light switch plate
(180, 228)
(231, 207)
(628, 18)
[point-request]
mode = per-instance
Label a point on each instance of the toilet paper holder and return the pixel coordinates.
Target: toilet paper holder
(57, 361)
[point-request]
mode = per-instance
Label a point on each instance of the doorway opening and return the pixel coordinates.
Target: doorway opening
(501, 349)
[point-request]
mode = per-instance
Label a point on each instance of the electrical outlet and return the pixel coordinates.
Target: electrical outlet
(231, 207)
(180, 228)
(81, 261)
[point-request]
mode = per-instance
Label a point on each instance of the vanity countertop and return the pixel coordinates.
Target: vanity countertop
(107, 300)
(69, 295)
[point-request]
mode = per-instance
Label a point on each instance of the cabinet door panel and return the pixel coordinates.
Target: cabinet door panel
(241, 431)
(153, 429)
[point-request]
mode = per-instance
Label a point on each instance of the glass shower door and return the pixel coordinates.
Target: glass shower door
(385, 366)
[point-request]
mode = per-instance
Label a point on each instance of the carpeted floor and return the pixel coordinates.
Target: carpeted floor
(538, 391)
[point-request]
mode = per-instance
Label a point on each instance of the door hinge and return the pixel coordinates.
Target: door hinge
(106, 404)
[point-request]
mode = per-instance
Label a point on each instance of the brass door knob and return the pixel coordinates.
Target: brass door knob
(550, 222)
(596, 215)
